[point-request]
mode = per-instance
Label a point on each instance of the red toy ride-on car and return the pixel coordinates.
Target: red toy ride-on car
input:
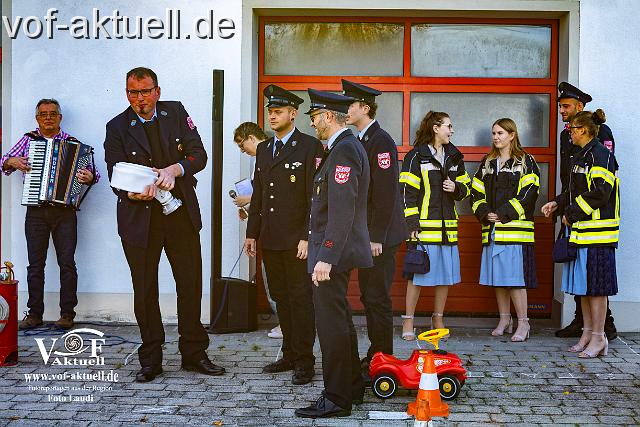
(388, 372)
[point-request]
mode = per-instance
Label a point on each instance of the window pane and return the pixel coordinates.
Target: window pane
(464, 207)
(333, 49)
(507, 51)
(389, 115)
(473, 113)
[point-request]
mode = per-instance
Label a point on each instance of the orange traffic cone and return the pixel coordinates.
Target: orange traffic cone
(428, 402)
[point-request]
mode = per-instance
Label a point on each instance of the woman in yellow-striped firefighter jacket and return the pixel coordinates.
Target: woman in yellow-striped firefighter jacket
(503, 198)
(433, 177)
(590, 207)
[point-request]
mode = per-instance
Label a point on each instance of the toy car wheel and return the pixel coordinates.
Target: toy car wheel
(384, 386)
(449, 387)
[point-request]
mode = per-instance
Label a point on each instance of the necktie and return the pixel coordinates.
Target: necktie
(278, 148)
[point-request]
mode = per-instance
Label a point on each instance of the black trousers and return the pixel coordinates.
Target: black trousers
(60, 223)
(290, 287)
(181, 242)
(375, 288)
(338, 341)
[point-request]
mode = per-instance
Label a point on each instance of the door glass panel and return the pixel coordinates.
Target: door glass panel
(499, 51)
(473, 113)
(333, 49)
(389, 115)
(464, 207)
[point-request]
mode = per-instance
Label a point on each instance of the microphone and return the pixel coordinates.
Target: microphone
(233, 195)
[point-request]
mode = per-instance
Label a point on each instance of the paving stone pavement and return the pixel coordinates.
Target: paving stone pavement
(533, 383)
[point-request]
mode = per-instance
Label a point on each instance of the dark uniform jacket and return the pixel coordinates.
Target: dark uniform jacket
(567, 149)
(338, 228)
(511, 193)
(281, 199)
(385, 216)
(427, 207)
(126, 141)
(591, 201)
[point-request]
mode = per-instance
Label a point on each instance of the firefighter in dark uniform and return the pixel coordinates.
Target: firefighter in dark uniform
(279, 220)
(571, 101)
(338, 242)
(385, 219)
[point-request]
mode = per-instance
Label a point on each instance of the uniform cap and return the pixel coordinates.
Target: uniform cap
(322, 100)
(279, 97)
(359, 92)
(569, 91)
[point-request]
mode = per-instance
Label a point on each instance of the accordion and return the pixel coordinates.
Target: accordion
(52, 178)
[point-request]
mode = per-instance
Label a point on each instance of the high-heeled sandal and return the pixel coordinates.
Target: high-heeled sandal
(436, 315)
(604, 351)
(522, 338)
(509, 328)
(408, 336)
(578, 348)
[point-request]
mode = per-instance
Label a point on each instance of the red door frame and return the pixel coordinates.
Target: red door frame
(408, 84)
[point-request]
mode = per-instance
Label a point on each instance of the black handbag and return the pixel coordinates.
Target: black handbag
(563, 251)
(416, 261)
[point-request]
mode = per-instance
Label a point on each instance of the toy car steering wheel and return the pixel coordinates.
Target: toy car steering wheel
(433, 336)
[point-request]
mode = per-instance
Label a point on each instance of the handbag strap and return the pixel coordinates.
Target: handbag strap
(561, 232)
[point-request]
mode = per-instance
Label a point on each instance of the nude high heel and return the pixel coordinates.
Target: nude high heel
(436, 315)
(522, 338)
(605, 350)
(408, 336)
(578, 348)
(509, 328)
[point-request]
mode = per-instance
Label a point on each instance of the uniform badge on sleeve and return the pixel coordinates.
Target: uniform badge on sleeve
(608, 144)
(190, 123)
(384, 160)
(328, 244)
(342, 174)
(318, 161)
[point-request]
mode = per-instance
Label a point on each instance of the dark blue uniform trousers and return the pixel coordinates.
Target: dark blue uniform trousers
(181, 243)
(61, 223)
(338, 341)
(375, 286)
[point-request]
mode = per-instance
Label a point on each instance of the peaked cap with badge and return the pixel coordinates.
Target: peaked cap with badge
(569, 91)
(279, 97)
(323, 100)
(359, 92)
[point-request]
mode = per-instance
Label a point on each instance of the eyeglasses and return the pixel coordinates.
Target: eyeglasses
(575, 127)
(312, 117)
(144, 92)
(450, 126)
(51, 115)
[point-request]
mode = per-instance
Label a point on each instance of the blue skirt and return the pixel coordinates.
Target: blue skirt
(511, 266)
(444, 268)
(593, 273)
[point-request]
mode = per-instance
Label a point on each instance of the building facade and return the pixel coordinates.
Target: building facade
(476, 60)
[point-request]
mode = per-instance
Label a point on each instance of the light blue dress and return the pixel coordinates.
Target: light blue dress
(574, 274)
(444, 268)
(501, 265)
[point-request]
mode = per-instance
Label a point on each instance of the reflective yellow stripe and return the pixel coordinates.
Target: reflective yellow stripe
(600, 172)
(528, 179)
(424, 212)
(617, 190)
(526, 225)
(463, 179)
(475, 206)
(432, 223)
(514, 236)
(599, 223)
(452, 236)
(430, 236)
(593, 238)
(450, 223)
(411, 211)
(596, 214)
(411, 179)
(518, 207)
(478, 185)
(584, 205)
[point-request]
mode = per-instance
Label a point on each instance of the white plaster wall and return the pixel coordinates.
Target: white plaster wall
(610, 72)
(88, 78)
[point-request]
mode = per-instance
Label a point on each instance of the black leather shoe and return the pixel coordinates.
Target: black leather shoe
(572, 330)
(302, 375)
(280, 365)
(148, 373)
(204, 366)
(610, 329)
(322, 408)
(358, 398)
(364, 370)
